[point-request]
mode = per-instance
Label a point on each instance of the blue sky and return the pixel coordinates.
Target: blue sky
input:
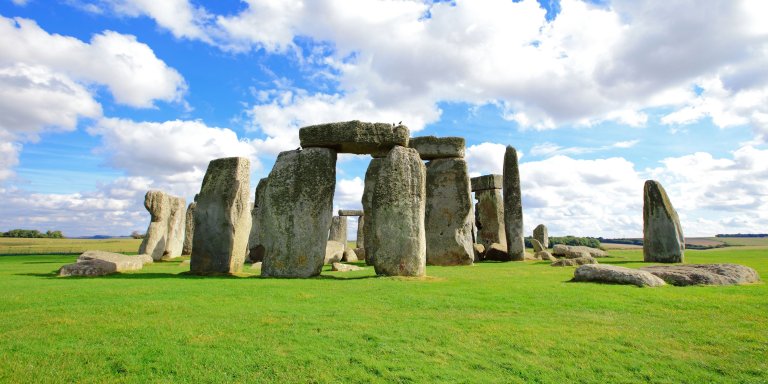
(101, 100)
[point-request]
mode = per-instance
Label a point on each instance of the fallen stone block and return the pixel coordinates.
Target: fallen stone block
(602, 273)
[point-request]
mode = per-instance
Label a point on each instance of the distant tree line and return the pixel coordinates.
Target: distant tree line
(622, 241)
(32, 233)
(742, 235)
(568, 240)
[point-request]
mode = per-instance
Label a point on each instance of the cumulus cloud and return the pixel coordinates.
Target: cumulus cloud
(552, 149)
(486, 158)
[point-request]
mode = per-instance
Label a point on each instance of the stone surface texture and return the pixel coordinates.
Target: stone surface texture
(255, 247)
(339, 267)
(338, 230)
(397, 215)
(479, 251)
(537, 247)
(541, 234)
(122, 262)
(572, 251)
(485, 182)
(93, 267)
(489, 218)
(603, 273)
(297, 212)
(349, 256)
(334, 252)
(497, 252)
(189, 229)
(574, 262)
(355, 137)
(545, 255)
(371, 175)
(176, 225)
(360, 253)
(360, 241)
(156, 238)
(350, 212)
(705, 274)
(431, 147)
(663, 240)
(449, 213)
(513, 206)
(222, 218)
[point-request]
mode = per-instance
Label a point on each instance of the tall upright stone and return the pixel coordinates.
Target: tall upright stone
(397, 215)
(176, 226)
(449, 213)
(360, 232)
(222, 218)
(513, 206)
(338, 230)
(156, 239)
(255, 246)
(297, 210)
(489, 210)
(371, 176)
(663, 240)
(541, 233)
(189, 228)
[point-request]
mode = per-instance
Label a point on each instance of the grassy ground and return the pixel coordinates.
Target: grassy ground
(47, 246)
(493, 322)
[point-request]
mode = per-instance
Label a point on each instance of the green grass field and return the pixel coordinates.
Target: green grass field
(47, 246)
(493, 322)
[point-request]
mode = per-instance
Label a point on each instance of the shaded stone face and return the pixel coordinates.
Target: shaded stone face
(338, 230)
(360, 232)
(541, 234)
(449, 213)
(513, 206)
(663, 239)
(371, 175)
(255, 248)
(397, 215)
(355, 137)
(189, 229)
(155, 240)
(297, 212)
(176, 226)
(222, 218)
(431, 147)
(350, 212)
(482, 183)
(489, 216)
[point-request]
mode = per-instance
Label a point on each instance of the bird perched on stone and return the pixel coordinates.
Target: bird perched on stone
(400, 123)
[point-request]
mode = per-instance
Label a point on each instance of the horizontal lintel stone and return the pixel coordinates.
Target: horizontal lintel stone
(431, 147)
(350, 212)
(484, 182)
(355, 137)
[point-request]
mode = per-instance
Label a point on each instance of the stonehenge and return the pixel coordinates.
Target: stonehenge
(541, 234)
(338, 230)
(165, 234)
(222, 218)
(489, 210)
(513, 206)
(663, 240)
(355, 137)
(371, 175)
(189, 228)
(255, 247)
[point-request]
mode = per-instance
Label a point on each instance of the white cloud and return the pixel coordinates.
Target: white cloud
(552, 149)
(485, 159)
(20, 2)
(178, 16)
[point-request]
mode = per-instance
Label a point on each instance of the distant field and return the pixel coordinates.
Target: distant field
(62, 246)
(742, 241)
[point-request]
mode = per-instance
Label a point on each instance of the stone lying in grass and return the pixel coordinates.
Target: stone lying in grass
(601, 273)
(349, 256)
(93, 267)
(574, 262)
(339, 267)
(574, 251)
(100, 263)
(705, 274)
(545, 255)
(334, 251)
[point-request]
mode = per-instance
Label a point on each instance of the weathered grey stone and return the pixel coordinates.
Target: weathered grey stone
(189, 229)
(156, 239)
(577, 254)
(397, 215)
(705, 274)
(571, 251)
(541, 234)
(334, 252)
(122, 262)
(537, 247)
(297, 212)
(350, 212)
(93, 267)
(602, 273)
(513, 206)
(479, 251)
(255, 247)
(371, 175)
(573, 262)
(486, 182)
(497, 252)
(339, 267)
(360, 253)
(663, 240)
(360, 241)
(545, 255)
(338, 230)
(349, 256)
(145, 259)
(449, 213)
(257, 265)
(355, 137)
(431, 147)
(222, 218)
(176, 226)
(489, 217)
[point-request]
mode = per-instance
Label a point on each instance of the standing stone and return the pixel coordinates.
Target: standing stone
(339, 230)
(297, 212)
(663, 240)
(222, 218)
(360, 232)
(255, 247)
(189, 228)
(155, 240)
(541, 234)
(449, 213)
(489, 210)
(397, 215)
(513, 206)
(371, 175)
(176, 226)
